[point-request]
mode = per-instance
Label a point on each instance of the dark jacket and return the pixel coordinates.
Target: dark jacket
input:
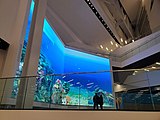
(96, 99)
(101, 100)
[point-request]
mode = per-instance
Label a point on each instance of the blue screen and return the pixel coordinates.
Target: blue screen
(79, 87)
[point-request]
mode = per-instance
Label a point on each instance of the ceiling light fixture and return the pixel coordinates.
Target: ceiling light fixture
(146, 70)
(121, 40)
(154, 67)
(132, 40)
(125, 42)
(116, 45)
(157, 63)
(107, 48)
(101, 46)
(111, 43)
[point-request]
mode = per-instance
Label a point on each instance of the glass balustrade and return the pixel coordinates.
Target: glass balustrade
(136, 89)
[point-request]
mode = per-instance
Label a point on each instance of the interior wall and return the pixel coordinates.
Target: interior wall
(7, 18)
(7, 21)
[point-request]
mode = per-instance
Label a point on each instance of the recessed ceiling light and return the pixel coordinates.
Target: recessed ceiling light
(125, 42)
(107, 48)
(132, 40)
(121, 40)
(116, 45)
(111, 42)
(111, 50)
(157, 63)
(101, 46)
(146, 70)
(154, 67)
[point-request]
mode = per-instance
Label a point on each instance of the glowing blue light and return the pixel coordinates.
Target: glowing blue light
(65, 60)
(32, 7)
(29, 21)
(52, 35)
(87, 56)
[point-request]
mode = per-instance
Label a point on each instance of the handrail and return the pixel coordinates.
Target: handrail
(73, 73)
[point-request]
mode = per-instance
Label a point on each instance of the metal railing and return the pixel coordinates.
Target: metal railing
(140, 90)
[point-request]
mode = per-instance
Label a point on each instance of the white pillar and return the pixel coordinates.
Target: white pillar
(25, 97)
(13, 21)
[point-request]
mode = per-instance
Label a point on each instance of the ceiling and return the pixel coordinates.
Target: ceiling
(131, 7)
(76, 21)
(78, 26)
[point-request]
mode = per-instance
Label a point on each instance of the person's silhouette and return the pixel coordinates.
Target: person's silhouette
(101, 100)
(95, 101)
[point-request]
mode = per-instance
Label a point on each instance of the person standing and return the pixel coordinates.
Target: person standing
(96, 101)
(101, 100)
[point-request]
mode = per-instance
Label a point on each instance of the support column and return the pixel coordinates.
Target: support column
(13, 22)
(25, 97)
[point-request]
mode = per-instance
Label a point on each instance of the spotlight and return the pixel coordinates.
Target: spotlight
(101, 46)
(107, 48)
(121, 40)
(111, 42)
(154, 67)
(157, 63)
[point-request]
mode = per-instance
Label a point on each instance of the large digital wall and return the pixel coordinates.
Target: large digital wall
(70, 89)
